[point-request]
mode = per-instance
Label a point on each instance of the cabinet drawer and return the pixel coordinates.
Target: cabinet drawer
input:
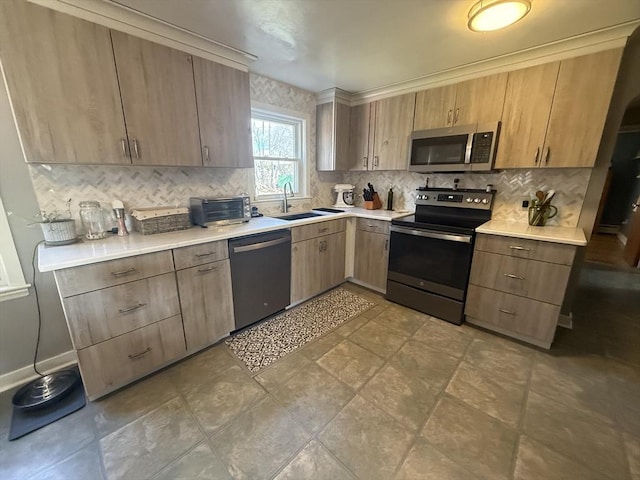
(542, 281)
(76, 280)
(118, 361)
(519, 317)
(98, 316)
(531, 249)
(375, 226)
(200, 254)
(306, 232)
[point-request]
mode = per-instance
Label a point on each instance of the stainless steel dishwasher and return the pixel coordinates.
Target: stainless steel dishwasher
(260, 275)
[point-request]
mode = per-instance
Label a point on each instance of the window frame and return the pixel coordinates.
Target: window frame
(12, 282)
(272, 113)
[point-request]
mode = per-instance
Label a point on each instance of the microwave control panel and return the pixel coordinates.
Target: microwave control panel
(482, 147)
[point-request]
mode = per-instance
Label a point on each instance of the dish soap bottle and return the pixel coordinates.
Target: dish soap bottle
(390, 199)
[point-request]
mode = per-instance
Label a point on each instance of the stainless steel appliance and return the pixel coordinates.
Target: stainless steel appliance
(219, 211)
(462, 148)
(260, 275)
(430, 251)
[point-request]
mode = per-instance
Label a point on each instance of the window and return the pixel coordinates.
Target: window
(12, 284)
(279, 151)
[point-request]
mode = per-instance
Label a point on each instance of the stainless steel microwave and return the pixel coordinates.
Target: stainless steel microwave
(219, 211)
(465, 148)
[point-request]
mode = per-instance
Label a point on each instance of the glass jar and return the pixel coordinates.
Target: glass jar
(93, 220)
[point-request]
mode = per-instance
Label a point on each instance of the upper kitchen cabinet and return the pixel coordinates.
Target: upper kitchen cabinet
(393, 124)
(360, 133)
(224, 114)
(526, 112)
(63, 86)
(332, 127)
(159, 101)
(554, 114)
(580, 107)
(475, 101)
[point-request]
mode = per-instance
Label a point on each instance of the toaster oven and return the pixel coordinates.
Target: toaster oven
(219, 211)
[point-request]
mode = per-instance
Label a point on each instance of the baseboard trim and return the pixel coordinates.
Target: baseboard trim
(26, 374)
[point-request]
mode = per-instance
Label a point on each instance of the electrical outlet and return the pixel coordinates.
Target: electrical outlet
(525, 202)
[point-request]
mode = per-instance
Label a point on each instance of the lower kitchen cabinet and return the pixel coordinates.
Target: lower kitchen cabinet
(517, 286)
(116, 362)
(207, 303)
(317, 264)
(372, 253)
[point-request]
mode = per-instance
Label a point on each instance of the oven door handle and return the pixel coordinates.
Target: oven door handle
(452, 237)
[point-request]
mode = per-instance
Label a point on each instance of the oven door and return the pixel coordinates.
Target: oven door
(429, 260)
(442, 149)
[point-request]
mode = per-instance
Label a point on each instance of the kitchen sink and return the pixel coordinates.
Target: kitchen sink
(298, 216)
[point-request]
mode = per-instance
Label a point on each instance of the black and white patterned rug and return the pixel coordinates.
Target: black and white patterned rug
(264, 343)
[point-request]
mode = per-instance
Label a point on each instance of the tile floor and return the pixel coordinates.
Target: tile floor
(390, 394)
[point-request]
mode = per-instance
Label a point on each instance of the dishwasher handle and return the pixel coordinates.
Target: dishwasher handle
(260, 245)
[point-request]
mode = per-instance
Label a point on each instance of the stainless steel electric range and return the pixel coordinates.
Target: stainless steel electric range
(430, 252)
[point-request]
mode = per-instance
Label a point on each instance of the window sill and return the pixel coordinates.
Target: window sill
(13, 292)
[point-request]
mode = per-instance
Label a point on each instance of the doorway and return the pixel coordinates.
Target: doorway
(616, 238)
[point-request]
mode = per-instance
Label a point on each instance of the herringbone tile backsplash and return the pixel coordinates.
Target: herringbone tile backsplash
(160, 186)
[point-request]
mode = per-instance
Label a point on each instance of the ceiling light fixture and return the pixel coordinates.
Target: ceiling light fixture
(489, 15)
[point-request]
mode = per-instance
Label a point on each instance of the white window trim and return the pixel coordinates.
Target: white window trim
(16, 286)
(304, 175)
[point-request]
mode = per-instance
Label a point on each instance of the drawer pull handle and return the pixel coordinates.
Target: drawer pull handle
(372, 226)
(131, 309)
(518, 247)
(123, 272)
(509, 312)
(205, 254)
(322, 230)
(138, 355)
(510, 275)
(208, 269)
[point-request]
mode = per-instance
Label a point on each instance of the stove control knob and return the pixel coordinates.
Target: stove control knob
(485, 200)
(476, 200)
(425, 197)
(469, 199)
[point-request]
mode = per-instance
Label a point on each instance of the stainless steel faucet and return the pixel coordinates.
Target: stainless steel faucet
(285, 205)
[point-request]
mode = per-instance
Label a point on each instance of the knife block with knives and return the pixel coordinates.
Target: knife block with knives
(371, 198)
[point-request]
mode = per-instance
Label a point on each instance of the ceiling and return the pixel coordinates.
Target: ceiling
(361, 45)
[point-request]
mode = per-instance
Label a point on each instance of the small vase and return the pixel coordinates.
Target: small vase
(59, 232)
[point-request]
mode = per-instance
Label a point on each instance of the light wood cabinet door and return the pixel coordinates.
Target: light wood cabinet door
(435, 108)
(159, 101)
(371, 258)
(103, 314)
(116, 362)
(224, 114)
(393, 125)
(527, 106)
(317, 265)
(63, 86)
(480, 100)
(580, 105)
(360, 144)
(306, 269)
(207, 303)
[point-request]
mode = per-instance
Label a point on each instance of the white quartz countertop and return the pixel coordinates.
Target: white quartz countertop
(567, 235)
(86, 252)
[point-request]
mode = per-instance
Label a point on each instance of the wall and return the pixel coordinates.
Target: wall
(18, 318)
(512, 185)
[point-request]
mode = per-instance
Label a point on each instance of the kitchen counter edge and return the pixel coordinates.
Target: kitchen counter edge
(551, 233)
(86, 252)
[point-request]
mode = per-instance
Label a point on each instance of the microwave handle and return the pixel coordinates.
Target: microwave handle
(469, 148)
